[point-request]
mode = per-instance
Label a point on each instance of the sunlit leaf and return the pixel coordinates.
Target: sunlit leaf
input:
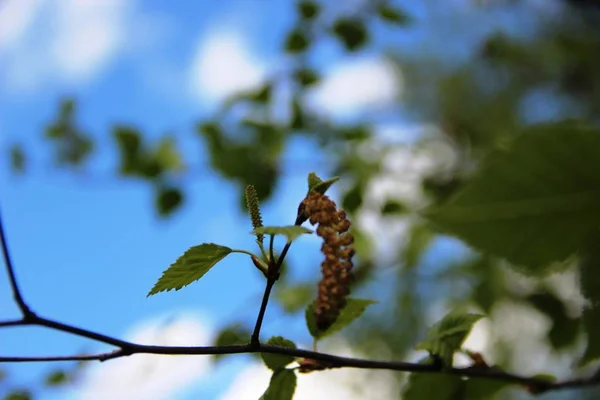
(291, 232)
(354, 309)
(282, 386)
(278, 361)
(533, 203)
(168, 155)
(447, 336)
(190, 267)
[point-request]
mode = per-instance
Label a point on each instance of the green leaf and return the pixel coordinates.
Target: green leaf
(168, 199)
(419, 238)
(590, 288)
(296, 41)
(294, 298)
(483, 389)
(190, 267)
(19, 394)
(17, 158)
(433, 386)
(564, 330)
(308, 10)
(393, 15)
(393, 207)
(291, 232)
(533, 203)
(351, 32)
(323, 186)
(168, 156)
(353, 310)
(230, 335)
(278, 361)
(306, 77)
(447, 336)
(57, 378)
(129, 141)
(353, 198)
(282, 386)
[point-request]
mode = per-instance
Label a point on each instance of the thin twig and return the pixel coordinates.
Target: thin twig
(255, 340)
(25, 310)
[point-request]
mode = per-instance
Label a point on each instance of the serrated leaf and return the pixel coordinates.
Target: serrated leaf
(447, 336)
(394, 15)
(168, 199)
(433, 386)
(532, 203)
(282, 386)
(351, 32)
(190, 267)
(291, 232)
(278, 361)
(56, 378)
(354, 309)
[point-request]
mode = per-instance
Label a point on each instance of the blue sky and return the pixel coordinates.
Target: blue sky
(88, 249)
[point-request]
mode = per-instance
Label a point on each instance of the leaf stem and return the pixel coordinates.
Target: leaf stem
(255, 339)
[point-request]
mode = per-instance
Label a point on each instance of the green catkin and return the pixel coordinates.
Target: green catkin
(254, 210)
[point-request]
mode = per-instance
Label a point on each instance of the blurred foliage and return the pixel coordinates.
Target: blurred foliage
(482, 86)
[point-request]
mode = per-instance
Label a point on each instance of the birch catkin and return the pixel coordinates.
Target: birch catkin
(336, 268)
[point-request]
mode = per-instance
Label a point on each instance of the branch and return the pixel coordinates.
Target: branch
(125, 348)
(25, 310)
(332, 360)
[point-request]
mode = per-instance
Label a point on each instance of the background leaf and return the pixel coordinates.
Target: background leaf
(291, 232)
(190, 267)
(447, 336)
(168, 199)
(282, 386)
(230, 335)
(278, 361)
(533, 203)
(353, 310)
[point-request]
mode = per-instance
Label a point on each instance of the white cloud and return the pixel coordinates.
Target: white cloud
(66, 41)
(344, 383)
(222, 66)
(357, 85)
(147, 376)
(15, 18)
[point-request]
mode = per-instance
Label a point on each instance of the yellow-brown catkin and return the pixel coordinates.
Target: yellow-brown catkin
(337, 265)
